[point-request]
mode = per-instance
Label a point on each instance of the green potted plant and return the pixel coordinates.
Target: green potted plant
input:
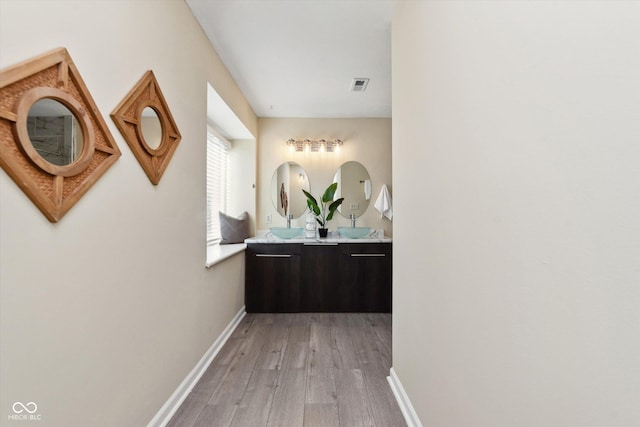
(324, 212)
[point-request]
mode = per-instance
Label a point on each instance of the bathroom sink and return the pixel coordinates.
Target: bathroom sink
(354, 232)
(286, 233)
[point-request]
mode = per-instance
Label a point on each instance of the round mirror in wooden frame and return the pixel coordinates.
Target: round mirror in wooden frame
(55, 132)
(129, 116)
(150, 130)
(52, 77)
(25, 105)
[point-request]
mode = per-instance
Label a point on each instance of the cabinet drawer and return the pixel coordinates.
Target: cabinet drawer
(260, 250)
(365, 277)
(366, 250)
(272, 278)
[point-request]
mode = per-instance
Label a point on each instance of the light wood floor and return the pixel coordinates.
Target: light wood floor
(305, 369)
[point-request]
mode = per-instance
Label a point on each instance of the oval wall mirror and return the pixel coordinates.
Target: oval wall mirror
(55, 132)
(151, 128)
(287, 184)
(354, 184)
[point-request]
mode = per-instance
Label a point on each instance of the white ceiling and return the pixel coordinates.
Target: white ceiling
(297, 58)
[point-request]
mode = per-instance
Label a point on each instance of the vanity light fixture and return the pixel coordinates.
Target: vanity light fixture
(321, 145)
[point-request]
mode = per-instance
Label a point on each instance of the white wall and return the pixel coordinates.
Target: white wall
(517, 267)
(107, 311)
(367, 141)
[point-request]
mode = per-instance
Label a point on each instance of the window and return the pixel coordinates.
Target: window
(217, 167)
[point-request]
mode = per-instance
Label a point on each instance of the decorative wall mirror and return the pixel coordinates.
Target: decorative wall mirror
(354, 184)
(287, 184)
(144, 119)
(54, 143)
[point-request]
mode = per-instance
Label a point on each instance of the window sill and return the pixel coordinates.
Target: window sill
(218, 253)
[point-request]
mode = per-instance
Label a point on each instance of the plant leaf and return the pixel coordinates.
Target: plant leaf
(312, 203)
(329, 192)
(310, 197)
(333, 206)
(313, 208)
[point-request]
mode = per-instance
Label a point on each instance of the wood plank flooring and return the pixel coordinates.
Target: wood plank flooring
(302, 369)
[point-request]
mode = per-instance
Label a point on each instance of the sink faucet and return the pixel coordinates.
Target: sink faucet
(289, 218)
(352, 217)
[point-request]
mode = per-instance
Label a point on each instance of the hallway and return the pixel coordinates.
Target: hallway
(304, 369)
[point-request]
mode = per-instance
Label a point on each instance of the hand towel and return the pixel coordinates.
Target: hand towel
(383, 203)
(367, 189)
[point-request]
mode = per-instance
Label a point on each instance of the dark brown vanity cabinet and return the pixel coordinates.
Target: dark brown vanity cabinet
(320, 278)
(365, 277)
(325, 277)
(272, 278)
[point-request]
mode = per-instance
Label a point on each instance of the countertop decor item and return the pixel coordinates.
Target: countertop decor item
(310, 226)
(324, 212)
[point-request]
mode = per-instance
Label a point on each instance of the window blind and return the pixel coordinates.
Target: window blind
(217, 165)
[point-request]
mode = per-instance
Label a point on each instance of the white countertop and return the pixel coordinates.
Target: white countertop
(264, 236)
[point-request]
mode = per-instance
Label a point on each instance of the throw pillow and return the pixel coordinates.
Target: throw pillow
(234, 230)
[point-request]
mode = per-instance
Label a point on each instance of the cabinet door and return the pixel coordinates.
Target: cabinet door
(365, 277)
(320, 277)
(272, 278)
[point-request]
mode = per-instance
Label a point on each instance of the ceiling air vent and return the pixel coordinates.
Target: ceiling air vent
(359, 85)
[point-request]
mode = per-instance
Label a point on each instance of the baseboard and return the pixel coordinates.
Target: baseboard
(406, 407)
(171, 406)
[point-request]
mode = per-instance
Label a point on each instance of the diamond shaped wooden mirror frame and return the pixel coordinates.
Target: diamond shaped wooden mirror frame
(53, 188)
(128, 118)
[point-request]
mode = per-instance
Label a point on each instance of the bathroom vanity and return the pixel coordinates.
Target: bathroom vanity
(350, 271)
(318, 275)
